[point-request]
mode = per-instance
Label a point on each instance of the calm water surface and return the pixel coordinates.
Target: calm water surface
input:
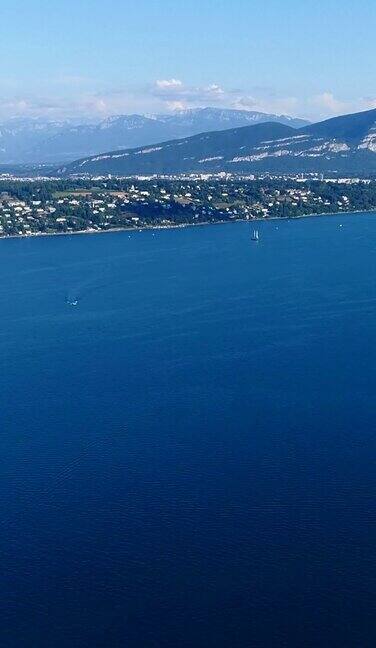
(188, 455)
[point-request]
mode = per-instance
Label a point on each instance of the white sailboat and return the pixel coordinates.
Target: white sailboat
(255, 235)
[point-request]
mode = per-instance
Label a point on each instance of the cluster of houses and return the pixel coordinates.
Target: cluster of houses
(20, 215)
(50, 205)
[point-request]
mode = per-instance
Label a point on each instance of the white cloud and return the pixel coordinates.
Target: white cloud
(328, 103)
(164, 84)
(175, 106)
(72, 97)
(369, 103)
(275, 105)
(174, 92)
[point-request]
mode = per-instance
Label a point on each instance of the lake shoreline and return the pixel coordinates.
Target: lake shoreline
(183, 225)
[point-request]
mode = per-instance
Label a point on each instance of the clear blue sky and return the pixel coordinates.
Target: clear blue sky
(94, 58)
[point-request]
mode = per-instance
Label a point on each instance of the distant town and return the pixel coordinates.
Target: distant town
(44, 205)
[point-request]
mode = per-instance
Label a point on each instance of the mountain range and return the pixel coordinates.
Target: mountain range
(38, 141)
(344, 144)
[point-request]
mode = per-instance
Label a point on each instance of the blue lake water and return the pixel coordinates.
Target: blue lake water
(188, 455)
